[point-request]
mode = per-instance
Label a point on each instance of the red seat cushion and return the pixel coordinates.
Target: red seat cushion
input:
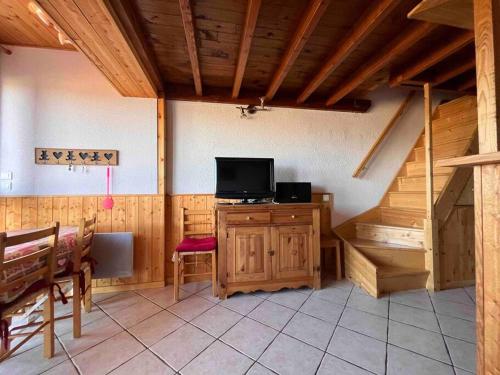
(197, 244)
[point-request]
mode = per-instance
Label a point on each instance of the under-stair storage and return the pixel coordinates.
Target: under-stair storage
(384, 247)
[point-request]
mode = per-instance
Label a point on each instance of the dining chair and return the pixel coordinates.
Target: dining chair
(197, 230)
(23, 280)
(79, 273)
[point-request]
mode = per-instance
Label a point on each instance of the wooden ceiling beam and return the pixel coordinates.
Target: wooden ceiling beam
(95, 32)
(253, 7)
(222, 95)
(126, 17)
(370, 19)
(454, 71)
(308, 23)
(432, 58)
(393, 49)
(187, 20)
(457, 13)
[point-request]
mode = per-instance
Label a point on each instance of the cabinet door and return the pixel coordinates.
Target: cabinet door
(248, 257)
(292, 246)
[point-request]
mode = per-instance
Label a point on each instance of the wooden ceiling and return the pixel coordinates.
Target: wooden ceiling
(321, 54)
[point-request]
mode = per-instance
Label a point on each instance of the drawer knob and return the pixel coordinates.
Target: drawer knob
(248, 218)
(293, 216)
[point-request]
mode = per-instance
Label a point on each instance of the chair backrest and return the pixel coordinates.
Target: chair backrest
(197, 223)
(84, 240)
(45, 256)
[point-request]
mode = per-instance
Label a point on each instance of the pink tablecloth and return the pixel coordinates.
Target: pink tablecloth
(64, 251)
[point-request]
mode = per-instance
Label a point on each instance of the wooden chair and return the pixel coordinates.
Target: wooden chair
(197, 230)
(80, 274)
(37, 282)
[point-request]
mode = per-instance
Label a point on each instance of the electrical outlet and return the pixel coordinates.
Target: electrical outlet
(326, 198)
(6, 176)
(5, 185)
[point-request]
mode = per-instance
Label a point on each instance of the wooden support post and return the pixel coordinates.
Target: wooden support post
(487, 187)
(430, 225)
(161, 144)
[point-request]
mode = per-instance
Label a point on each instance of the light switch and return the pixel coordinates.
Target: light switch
(326, 197)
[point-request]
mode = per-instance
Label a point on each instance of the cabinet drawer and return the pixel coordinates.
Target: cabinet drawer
(292, 217)
(248, 218)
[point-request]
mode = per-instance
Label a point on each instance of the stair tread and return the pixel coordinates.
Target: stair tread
(358, 242)
(393, 271)
(415, 210)
(382, 225)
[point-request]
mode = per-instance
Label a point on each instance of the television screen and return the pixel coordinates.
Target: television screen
(244, 178)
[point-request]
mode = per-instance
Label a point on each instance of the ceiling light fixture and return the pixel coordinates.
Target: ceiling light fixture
(252, 109)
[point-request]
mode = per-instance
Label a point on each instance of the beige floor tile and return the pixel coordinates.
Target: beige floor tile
(413, 316)
(144, 363)
(463, 354)
(207, 294)
(288, 298)
(218, 359)
(96, 298)
(93, 334)
(120, 301)
(365, 323)
(333, 365)
(190, 308)
(217, 320)
(163, 297)
(360, 350)
(258, 369)
(418, 298)
(130, 316)
(181, 346)
(458, 328)
(196, 286)
(321, 309)
(400, 361)
(427, 343)
(32, 362)
(369, 304)
(65, 368)
(287, 355)
(108, 355)
(241, 303)
(311, 330)
(249, 337)
(153, 329)
(271, 314)
(66, 325)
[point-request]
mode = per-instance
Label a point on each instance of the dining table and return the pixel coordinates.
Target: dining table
(65, 247)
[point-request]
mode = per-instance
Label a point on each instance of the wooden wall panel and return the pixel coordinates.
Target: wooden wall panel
(144, 215)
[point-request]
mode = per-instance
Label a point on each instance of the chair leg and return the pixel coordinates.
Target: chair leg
(214, 274)
(48, 330)
(87, 298)
(181, 270)
(176, 276)
(77, 308)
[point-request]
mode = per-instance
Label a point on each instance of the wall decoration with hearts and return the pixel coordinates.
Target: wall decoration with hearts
(73, 156)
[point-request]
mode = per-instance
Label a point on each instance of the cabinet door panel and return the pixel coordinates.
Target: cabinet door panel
(292, 247)
(247, 254)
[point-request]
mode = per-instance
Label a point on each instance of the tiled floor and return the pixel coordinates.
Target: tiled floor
(337, 330)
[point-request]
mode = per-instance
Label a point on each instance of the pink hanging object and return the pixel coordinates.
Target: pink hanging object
(108, 203)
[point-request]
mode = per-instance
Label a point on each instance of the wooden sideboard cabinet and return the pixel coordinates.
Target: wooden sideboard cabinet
(268, 247)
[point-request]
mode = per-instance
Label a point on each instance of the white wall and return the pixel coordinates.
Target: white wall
(52, 98)
(317, 146)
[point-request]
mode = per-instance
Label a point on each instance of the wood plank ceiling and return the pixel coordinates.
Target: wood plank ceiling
(320, 54)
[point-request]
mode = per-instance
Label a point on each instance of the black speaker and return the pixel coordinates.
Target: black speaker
(293, 192)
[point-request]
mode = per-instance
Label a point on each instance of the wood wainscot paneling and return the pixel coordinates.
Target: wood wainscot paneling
(208, 201)
(144, 215)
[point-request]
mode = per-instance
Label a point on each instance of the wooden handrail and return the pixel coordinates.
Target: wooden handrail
(402, 108)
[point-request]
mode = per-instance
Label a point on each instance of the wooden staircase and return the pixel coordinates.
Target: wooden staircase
(384, 247)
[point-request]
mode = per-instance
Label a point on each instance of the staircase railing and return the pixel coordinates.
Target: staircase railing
(401, 110)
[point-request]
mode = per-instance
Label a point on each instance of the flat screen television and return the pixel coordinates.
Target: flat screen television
(244, 178)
